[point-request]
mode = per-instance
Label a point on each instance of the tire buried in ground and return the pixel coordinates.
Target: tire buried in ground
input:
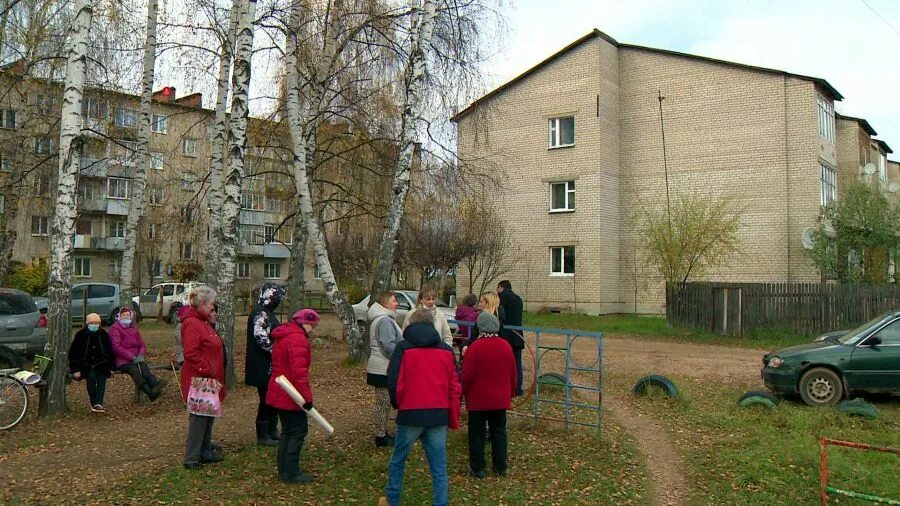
(758, 398)
(552, 379)
(655, 380)
(859, 407)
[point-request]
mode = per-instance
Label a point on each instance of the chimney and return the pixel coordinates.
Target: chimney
(192, 100)
(166, 94)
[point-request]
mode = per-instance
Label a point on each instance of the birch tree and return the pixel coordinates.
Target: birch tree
(64, 214)
(231, 203)
(137, 205)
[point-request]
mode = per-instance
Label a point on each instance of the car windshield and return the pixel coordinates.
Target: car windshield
(414, 296)
(12, 303)
(856, 334)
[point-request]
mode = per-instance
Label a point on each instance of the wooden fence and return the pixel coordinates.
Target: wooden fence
(805, 308)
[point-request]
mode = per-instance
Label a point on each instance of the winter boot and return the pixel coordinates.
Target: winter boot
(262, 434)
(273, 428)
(152, 393)
(291, 463)
(279, 459)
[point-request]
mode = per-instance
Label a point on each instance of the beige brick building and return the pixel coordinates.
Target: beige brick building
(586, 123)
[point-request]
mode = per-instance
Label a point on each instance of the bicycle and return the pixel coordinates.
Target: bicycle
(13, 399)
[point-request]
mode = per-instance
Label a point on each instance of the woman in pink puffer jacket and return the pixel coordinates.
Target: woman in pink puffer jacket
(129, 349)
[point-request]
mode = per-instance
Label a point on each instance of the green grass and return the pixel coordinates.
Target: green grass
(756, 456)
(547, 465)
(656, 328)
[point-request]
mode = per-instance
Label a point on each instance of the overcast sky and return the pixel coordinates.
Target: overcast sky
(845, 42)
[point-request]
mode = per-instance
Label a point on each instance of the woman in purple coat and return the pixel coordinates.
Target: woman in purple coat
(129, 349)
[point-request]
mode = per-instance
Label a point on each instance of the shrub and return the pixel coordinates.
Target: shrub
(33, 278)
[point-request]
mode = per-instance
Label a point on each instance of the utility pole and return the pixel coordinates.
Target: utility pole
(662, 127)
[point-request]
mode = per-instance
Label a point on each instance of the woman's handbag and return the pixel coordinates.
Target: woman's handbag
(203, 397)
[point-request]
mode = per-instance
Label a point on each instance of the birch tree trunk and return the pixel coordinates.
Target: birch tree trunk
(217, 159)
(303, 137)
(296, 279)
(234, 175)
(8, 234)
(53, 398)
(136, 207)
(420, 40)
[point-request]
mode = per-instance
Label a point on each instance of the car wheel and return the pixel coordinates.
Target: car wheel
(821, 387)
(113, 316)
(9, 359)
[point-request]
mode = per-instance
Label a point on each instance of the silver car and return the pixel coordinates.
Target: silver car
(101, 298)
(406, 300)
(19, 318)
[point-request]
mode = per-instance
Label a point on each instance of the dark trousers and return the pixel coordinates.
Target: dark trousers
(517, 353)
(141, 375)
(294, 427)
(495, 421)
(96, 386)
(198, 446)
(264, 412)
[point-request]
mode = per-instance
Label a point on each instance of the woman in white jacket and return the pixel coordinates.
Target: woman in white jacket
(384, 335)
(426, 302)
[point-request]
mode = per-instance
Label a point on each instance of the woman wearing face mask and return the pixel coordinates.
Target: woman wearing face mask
(426, 302)
(129, 349)
(91, 359)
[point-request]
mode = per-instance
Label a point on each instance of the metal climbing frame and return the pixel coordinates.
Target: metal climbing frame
(825, 489)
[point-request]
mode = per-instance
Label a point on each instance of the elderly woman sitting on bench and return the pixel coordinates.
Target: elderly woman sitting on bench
(130, 350)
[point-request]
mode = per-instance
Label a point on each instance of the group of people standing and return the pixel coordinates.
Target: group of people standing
(413, 369)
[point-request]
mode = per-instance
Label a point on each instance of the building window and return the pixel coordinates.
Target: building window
(253, 201)
(829, 184)
(40, 225)
(187, 214)
(42, 185)
(95, 108)
(243, 270)
(117, 188)
(43, 145)
(562, 132)
(882, 167)
(8, 119)
(272, 271)
(562, 261)
(189, 147)
(85, 190)
(285, 234)
(46, 104)
(2, 203)
(826, 119)
(115, 268)
(127, 118)
(187, 181)
(157, 161)
(562, 196)
(160, 124)
(117, 229)
(83, 227)
(186, 250)
(156, 196)
(269, 233)
(151, 231)
(5, 162)
(157, 268)
(82, 267)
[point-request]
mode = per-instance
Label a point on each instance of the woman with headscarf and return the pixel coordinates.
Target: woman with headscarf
(260, 324)
(130, 351)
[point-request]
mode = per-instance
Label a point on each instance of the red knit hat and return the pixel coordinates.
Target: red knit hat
(307, 316)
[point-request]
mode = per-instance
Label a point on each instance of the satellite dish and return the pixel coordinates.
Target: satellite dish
(894, 187)
(869, 168)
(807, 238)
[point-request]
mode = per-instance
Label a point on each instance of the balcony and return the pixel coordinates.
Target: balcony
(117, 207)
(97, 128)
(83, 241)
(251, 217)
(108, 243)
(96, 204)
(93, 167)
(250, 250)
(276, 250)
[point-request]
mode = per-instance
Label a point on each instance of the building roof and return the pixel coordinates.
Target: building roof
(828, 88)
(883, 145)
(863, 123)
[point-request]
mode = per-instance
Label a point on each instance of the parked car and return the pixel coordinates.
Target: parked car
(406, 300)
(102, 298)
(825, 371)
(20, 329)
(172, 294)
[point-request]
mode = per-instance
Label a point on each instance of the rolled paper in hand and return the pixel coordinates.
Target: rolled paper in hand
(286, 385)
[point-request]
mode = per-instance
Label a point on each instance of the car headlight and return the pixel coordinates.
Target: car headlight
(775, 362)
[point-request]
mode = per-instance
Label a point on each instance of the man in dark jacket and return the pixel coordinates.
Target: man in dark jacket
(260, 324)
(424, 388)
(512, 306)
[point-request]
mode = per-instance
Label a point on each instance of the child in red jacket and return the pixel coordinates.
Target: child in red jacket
(292, 358)
(489, 380)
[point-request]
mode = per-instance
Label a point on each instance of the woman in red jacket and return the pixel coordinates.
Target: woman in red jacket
(204, 357)
(291, 357)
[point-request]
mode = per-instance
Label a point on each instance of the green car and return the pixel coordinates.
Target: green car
(827, 370)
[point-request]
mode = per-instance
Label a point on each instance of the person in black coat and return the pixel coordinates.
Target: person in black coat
(511, 304)
(260, 324)
(91, 358)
